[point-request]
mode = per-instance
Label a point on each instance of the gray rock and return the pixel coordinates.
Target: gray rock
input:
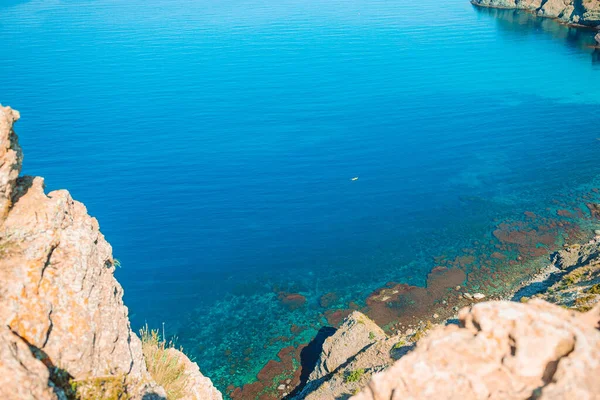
(356, 333)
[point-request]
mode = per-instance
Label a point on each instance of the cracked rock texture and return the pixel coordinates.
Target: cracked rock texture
(22, 376)
(576, 12)
(198, 387)
(356, 344)
(503, 350)
(58, 295)
(356, 334)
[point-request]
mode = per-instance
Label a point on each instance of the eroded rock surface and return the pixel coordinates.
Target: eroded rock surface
(577, 12)
(356, 333)
(359, 344)
(22, 376)
(198, 387)
(503, 350)
(59, 300)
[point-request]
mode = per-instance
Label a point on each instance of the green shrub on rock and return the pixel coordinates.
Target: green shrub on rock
(355, 375)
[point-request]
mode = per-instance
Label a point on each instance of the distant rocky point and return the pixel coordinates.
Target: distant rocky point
(573, 12)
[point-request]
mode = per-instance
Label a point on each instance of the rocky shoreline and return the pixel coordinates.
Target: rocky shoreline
(571, 281)
(572, 12)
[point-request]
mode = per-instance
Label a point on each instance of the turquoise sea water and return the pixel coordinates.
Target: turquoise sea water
(215, 141)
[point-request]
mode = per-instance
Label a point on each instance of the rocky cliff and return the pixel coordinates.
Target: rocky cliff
(64, 330)
(575, 12)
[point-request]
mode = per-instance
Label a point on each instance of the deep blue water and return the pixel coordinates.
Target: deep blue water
(215, 141)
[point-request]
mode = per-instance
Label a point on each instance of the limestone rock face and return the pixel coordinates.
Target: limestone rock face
(11, 156)
(577, 12)
(374, 358)
(597, 39)
(356, 333)
(60, 286)
(578, 255)
(22, 376)
(198, 387)
(503, 351)
(58, 295)
(58, 291)
(358, 344)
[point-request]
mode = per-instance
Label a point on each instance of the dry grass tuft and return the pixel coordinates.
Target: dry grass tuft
(110, 387)
(164, 366)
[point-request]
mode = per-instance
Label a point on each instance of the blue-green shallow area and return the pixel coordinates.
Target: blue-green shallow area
(215, 141)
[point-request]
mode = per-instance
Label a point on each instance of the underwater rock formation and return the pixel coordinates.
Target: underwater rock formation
(62, 316)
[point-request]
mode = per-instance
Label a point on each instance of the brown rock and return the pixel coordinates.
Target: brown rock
(292, 300)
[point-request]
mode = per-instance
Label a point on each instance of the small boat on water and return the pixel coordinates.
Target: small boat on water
(354, 179)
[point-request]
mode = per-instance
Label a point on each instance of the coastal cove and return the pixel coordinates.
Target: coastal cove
(218, 152)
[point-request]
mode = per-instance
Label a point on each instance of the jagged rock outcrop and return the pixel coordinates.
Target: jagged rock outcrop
(11, 156)
(577, 255)
(22, 376)
(357, 335)
(503, 350)
(59, 299)
(353, 374)
(576, 12)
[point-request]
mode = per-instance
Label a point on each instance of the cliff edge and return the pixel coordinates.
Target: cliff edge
(64, 330)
